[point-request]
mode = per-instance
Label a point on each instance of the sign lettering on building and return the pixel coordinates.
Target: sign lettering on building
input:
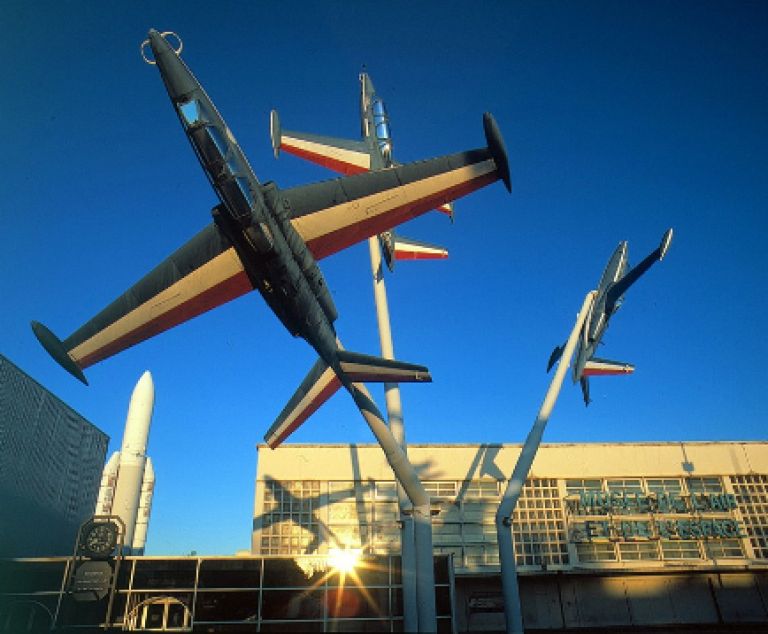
(590, 502)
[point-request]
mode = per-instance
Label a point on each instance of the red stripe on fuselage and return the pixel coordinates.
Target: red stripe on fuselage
(321, 159)
(330, 243)
(210, 298)
(327, 392)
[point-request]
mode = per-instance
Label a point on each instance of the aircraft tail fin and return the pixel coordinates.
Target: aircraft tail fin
(555, 356)
(317, 387)
(584, 381)
(363, 368)
(605, 367)
(400, 248)
(657, 255)
(340, 155)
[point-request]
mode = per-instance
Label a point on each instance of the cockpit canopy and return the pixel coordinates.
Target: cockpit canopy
(381, 128)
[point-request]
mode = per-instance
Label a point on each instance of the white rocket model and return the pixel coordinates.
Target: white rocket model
(128, 480)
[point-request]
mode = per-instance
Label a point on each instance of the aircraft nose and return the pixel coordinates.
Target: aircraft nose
(158, 43)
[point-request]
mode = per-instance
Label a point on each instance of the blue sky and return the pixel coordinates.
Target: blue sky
(620, 118)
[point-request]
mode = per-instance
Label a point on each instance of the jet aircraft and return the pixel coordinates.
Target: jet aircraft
(371, 153)
(269, 239)
(615, 281)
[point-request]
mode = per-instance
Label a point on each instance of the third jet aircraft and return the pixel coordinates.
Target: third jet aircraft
(615, 281)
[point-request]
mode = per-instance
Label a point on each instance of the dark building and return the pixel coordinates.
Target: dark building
(51, 460)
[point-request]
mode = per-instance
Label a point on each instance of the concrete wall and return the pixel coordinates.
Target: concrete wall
(566, 602)
(582, 460)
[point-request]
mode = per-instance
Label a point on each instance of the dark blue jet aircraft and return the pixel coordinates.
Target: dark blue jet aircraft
(615, 281)
(269, 239)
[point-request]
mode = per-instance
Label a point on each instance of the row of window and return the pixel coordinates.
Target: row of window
(304, 515)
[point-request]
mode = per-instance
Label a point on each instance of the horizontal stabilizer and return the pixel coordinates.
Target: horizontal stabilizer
(399, 248)
(319, 385)
(604, 367)
(362, 368)
(340, 155)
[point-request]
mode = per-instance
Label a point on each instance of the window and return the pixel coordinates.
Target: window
(724, 548)
(481, 489)
(635, 551)
(192, 112)
(704, 485)
(680, 549)
(752, 500)
(160, 614)
(595, 552)
(441, 489)
(633, 485)
(672, 486)
(290, 522)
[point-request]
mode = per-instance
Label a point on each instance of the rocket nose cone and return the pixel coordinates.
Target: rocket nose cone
(145, 386)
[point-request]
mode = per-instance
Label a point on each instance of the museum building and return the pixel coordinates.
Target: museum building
(606, 534)
(629, 537)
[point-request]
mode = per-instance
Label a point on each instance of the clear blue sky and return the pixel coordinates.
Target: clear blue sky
(621, 119)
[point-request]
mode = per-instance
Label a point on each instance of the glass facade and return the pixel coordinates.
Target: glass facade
(236, 594)
(51, 460)
(558, 523)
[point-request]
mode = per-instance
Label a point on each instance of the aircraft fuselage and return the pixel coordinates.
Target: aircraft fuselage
(253, 216)
(595, 327)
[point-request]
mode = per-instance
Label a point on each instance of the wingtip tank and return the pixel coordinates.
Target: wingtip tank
(274, 132)
(497, 148)
(55, 347)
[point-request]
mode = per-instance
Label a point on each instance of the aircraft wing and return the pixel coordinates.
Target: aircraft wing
(204, 273)
(333, 215)
(340, 155)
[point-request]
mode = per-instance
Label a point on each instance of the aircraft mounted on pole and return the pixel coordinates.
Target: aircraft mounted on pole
(373, 152)
(267, 239)
(616, 279)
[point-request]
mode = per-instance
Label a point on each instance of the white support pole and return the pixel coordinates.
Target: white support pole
(396, 425)
(510, 590)
(417, 494)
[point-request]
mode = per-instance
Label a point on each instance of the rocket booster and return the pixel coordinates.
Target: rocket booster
(128, 479)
